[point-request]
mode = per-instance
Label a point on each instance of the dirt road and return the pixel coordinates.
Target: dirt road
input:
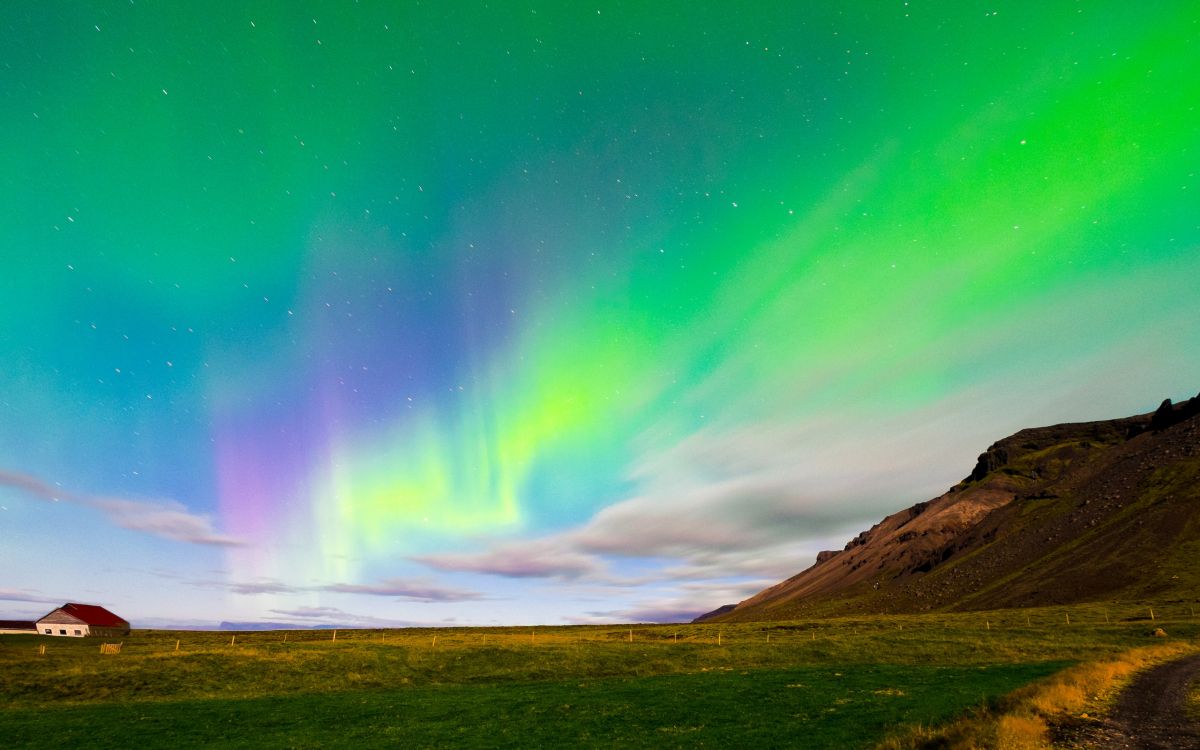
(1150, 714)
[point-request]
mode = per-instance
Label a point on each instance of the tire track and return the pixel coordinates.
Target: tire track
(1150, 714)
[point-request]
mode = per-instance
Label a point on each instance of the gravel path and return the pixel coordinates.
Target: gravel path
(1151, 714)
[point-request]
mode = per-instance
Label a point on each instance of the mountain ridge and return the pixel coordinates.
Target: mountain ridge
(1049, 515)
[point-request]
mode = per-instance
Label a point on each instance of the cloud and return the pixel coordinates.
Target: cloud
(262, 587)
(701, 516)
(775, 562)
(539, 558)
(326, 617)
(684, 612)
(311, 612)
(652, 614)
(727, 591)
(167, 519)
(15, 595)
(743, 489)
(754, 500)
(29, 485)
(398, 588)
(249, 588)
(404, 589)
(727, 511)
(176, 623)
(694, 600)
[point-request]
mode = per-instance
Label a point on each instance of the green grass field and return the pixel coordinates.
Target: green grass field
(822, 684)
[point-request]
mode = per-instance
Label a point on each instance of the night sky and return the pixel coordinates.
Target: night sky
(461, 313)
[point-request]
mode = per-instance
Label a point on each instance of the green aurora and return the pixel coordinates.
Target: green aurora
(557, 312)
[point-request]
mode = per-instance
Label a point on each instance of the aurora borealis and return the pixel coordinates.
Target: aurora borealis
(369, 313)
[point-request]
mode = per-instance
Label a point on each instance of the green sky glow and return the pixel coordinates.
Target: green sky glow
(436, 293)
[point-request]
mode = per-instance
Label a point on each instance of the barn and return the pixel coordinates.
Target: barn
(79, 620)
(17, 627)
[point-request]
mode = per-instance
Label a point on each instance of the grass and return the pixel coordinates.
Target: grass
(831, 683)
(812, 707)
(1022, 720)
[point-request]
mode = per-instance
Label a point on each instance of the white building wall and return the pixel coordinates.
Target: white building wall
(62, 628)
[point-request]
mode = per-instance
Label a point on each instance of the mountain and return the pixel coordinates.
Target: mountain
(1050, 515)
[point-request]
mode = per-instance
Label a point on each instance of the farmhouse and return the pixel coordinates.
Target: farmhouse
(17, 627)
(78, 620)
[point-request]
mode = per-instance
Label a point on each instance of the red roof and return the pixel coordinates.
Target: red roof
(94, 615)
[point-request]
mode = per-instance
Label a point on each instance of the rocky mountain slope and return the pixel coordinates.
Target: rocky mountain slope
(1051, 515)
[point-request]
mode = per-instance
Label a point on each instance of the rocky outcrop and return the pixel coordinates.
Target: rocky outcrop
(990, 460)
(1168, 414)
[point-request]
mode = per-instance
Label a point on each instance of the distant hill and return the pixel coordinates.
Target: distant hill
(1051, 515)
(715, 613)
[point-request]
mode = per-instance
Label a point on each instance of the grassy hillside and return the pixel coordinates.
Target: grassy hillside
(1099, 511)
(838, 683)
